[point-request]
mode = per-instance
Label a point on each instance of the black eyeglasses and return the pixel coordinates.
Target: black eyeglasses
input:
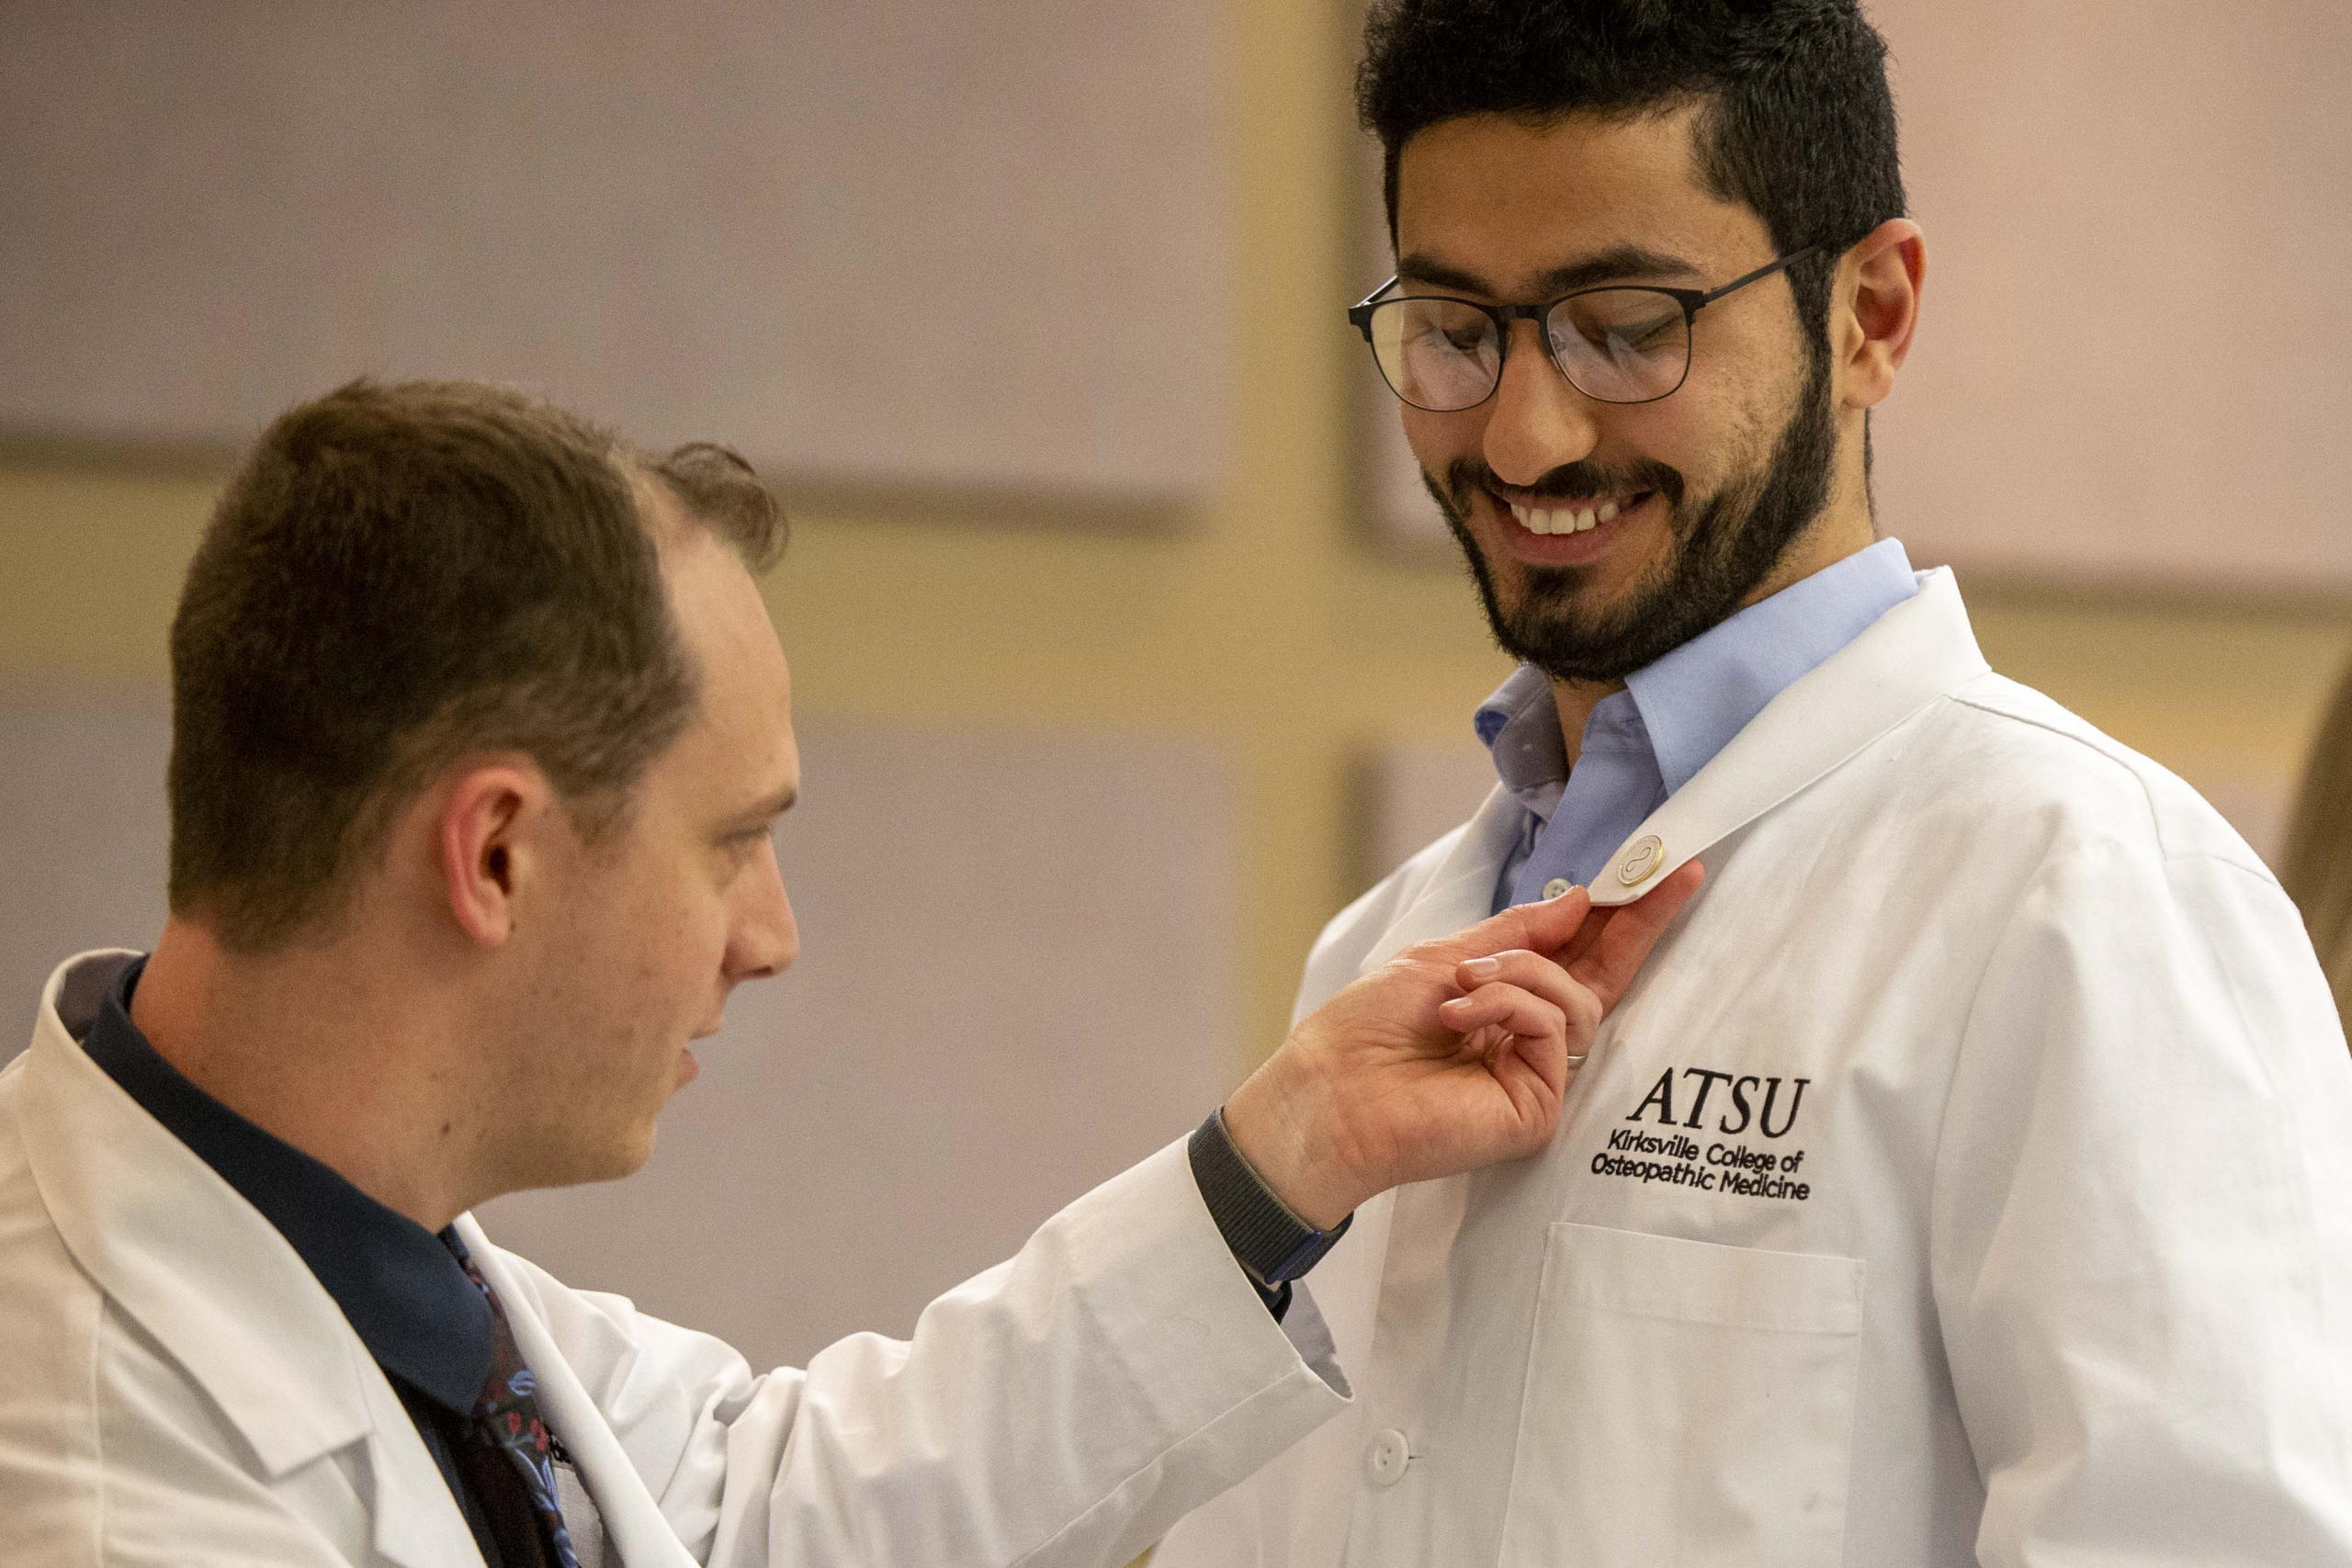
(1618, 344)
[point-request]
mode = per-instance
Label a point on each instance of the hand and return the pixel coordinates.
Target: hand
(1453, 1054)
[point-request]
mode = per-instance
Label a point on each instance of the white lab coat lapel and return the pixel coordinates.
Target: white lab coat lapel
(636, 1532)
(1917, 652)
(184, 1253)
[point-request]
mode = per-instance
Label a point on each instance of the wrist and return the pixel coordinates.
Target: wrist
(1269, 1241)
(1273, 1121)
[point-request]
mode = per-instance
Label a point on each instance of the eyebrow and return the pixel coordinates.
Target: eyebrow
(771, 808)
(1616, 263)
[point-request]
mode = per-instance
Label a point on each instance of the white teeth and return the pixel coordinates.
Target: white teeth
(1563, 519)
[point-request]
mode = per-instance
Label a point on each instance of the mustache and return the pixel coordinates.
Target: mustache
(1465, 477)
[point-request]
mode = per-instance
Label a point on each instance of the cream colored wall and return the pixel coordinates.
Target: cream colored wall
(1267, 627)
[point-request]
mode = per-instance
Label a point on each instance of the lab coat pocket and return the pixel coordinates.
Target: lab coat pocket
(1685, 1403)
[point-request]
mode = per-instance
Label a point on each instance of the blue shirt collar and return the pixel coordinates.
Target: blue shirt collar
(1701, 695)
(1690, 703)
(1521, 729)
(401, 1285)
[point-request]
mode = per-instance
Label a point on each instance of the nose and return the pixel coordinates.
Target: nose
(765, 937)
(1535, 421)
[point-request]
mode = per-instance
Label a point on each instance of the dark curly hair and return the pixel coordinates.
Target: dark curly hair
(1795, 118)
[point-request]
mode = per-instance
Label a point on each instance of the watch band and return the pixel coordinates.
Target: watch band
(1272, 1244)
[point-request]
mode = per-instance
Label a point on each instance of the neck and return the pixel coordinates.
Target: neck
(1575, 700)
(1844, 529)
(309, 1046)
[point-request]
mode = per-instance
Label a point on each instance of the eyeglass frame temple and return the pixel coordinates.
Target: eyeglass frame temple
(1692, 300)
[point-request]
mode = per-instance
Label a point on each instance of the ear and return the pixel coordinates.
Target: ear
(1876, 309)
(489, 826)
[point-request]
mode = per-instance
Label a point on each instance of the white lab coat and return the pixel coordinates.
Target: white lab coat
(2068, 1276)
(176, 1387)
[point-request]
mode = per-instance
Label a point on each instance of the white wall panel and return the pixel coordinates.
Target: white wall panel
(84, 835)
(970, 243)
(2131, 366)
(1417, 791)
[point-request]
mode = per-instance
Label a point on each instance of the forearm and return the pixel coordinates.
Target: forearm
(1063, 1408)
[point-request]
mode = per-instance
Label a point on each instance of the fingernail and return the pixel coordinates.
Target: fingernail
(1481, 968)
(1577, 887)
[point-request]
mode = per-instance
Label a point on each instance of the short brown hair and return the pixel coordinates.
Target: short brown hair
(399, 574)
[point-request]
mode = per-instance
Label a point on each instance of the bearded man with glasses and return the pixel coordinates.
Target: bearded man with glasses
(1969, 1180)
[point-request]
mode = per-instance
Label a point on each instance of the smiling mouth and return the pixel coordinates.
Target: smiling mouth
(1574, 517)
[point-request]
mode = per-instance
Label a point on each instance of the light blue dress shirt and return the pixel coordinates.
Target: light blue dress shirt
(1644, 743)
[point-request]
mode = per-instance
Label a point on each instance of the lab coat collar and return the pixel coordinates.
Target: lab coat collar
(212, 1281)
(403, 1291)
(1920, 650)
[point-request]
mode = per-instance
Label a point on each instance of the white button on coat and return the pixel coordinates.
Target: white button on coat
(1557, 887)
(1386, 1457)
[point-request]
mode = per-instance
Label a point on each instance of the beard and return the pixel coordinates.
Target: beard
(1721, 546)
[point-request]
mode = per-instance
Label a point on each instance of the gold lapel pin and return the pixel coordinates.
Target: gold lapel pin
(1646, 855)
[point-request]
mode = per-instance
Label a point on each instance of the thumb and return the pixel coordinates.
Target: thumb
(1607, 963)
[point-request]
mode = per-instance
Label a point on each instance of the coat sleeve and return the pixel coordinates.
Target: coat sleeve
(2142, 1224)
(1062, 1409)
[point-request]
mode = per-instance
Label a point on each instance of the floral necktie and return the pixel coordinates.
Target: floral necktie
(506, 1419)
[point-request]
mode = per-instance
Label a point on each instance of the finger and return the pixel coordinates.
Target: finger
(1535, 972)
(1586, 937)
(1518, 1011)
(1539, 928)
(1614, 954)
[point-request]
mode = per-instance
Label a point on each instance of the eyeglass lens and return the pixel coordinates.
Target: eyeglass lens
(1620, 345)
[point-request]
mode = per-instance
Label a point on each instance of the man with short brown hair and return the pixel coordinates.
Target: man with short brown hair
(480, 729)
